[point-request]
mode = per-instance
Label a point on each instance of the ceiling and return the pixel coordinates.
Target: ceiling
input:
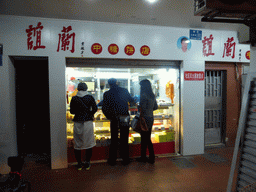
(175, 13)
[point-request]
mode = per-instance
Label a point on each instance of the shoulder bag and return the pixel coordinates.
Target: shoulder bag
(81, 101)
(138, 123)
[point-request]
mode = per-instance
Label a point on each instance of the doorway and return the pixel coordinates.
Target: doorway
(32, 107)
(232, 105)
(215, 99)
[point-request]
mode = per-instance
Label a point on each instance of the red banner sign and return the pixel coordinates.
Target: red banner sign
(193, 75)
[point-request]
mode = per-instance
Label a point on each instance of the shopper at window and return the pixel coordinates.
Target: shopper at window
(83, 106)
(115, 105)
(147, 105)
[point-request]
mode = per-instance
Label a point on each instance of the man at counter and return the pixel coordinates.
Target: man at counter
(115, 107)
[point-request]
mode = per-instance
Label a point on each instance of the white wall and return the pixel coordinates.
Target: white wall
(57, 89)
(253, 59)
(8, 143)
(192, 110)
(162, 42)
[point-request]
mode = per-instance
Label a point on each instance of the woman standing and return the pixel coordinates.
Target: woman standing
(83, 106)
(147, 106)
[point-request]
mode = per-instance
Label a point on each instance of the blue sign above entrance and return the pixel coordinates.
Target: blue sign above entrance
(195, 34)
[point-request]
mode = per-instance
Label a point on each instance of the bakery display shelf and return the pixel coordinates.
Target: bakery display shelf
(103, 134)
(160, 131)
(133, 108)
(70, 135)
(163, 118)
(165, 106)
(101, 120)
(159, 106)
(156, 118)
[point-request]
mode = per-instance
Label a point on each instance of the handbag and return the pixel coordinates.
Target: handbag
(139, 124)
(124, 120)
(135, 121)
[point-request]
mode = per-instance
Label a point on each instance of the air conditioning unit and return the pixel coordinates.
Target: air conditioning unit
(243, 34)
(225, 8)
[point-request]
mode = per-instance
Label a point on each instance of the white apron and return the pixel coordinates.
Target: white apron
(84, 135)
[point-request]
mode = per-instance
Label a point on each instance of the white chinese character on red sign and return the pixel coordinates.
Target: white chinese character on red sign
(229, 48)
(207, 46)
(64, 40)
(35, 32)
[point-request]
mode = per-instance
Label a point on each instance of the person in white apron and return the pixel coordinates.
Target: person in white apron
(83, 106)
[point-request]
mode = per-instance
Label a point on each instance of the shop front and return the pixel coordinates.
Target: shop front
(165, 81)
(93, 52)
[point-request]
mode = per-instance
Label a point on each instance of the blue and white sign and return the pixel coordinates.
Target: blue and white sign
(195, 34)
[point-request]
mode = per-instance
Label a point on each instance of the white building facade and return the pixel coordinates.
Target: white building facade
(61, 39)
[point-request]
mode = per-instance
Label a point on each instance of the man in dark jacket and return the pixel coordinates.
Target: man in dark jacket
(115, 104)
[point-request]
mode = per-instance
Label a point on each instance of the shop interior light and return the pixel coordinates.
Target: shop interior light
(107, 75)
(167, 73)
(163, 70)
(152, 1)
(74, 73)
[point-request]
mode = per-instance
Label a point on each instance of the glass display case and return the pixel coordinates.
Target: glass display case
(162, 130)
(165, 85)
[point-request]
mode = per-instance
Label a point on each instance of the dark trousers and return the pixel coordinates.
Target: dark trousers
(146, 139)
(88, 155)
(124, 138)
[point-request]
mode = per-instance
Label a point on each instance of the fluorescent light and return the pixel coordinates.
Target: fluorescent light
(152, 1)
(107, 75)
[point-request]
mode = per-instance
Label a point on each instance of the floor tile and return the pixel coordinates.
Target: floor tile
(162, 176)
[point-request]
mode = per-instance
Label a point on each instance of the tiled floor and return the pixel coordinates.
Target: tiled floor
(164, 175)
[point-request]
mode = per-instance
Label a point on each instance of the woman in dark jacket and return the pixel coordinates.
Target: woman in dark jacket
(147, 105)
(84, 107)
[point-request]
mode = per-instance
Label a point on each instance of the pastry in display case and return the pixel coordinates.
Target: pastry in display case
(162, 130)
(135, 138)
(70, 124)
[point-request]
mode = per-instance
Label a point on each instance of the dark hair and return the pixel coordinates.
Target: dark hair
(82, 87)
(145, 87)
(112, 81)
(183, 39)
